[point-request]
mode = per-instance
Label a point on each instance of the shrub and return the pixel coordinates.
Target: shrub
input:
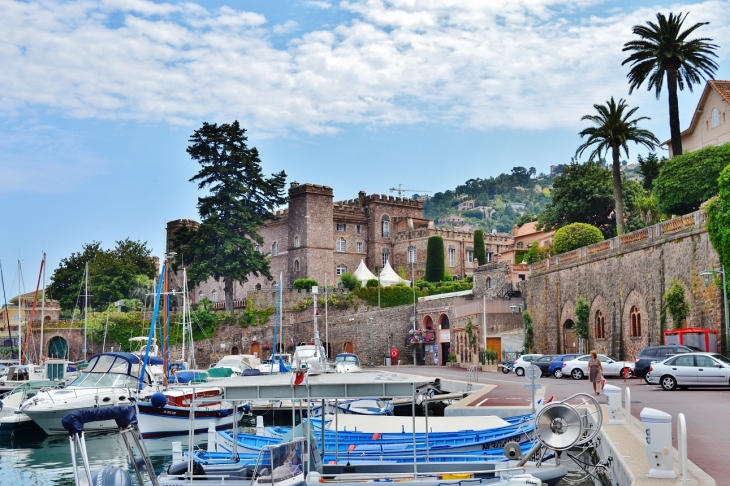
(582, 312)
(373, 282)
(451, 358)
(480, 253)
(718, 218)
(435, 265)
(676, 304)
(349, 281)
(305, 283)
(687, 180)
(529, 332)
(536, 253)
(575, 236)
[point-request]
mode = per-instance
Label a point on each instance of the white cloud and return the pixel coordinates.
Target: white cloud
(510, 63)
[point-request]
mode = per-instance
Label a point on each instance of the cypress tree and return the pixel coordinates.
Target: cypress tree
(435, 264)
(480, 253)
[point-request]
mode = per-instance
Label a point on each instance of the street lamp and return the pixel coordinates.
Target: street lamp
(706, 277)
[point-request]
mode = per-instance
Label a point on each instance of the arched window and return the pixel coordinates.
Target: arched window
(296, 265)
(341, 245)
(489, 282)
(600, 326)
(258, 287)
(275, 249)
(296, 242)
(341, 269)
(715, 117)
(215, 296)
(635, 322)
(385, 226)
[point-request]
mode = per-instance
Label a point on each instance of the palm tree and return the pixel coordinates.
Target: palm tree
(613, 128)
(664, 48)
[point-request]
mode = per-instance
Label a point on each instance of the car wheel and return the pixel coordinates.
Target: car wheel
(558, 373)
(577, 374)
(519, 371)
(668, 382)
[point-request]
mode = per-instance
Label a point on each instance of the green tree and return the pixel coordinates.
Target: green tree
(435, 264)
(529, 338)
(113, 274)
(227, 244)
(613, 128)
(663, 48)
(526, 218)
(582, 314)
(718, 218)
(676, 304)
(349, 281)
(480, 252)
(649, 168)
(686, 181)
(536, 253)
(574, 236)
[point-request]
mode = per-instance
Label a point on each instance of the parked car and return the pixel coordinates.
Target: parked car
(523, 362)
(556, 365)
(690, 369)
(576, 368)
(543, 362)
(657, 353)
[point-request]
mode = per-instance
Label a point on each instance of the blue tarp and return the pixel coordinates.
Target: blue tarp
(74, 421)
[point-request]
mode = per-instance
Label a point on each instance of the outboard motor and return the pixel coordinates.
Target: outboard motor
(111, 476)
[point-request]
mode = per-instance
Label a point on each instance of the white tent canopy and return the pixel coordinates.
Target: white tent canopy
(388, 276)
(363, 274)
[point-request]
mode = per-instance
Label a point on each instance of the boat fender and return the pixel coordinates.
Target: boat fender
(351, 447)
(376, 436)
(158, 400)
(182, 467)
(223, 413)
(1, 404)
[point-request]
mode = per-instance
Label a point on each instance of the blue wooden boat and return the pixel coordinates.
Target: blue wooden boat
(360, 406)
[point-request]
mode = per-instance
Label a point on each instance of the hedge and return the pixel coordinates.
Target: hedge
(574, 236)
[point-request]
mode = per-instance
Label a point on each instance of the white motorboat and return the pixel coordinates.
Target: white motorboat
(51, 369)
(11, 418)
(110, 379)
(347, 363)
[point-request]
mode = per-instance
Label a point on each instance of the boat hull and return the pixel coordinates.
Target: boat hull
(169, 421)
(17, 422)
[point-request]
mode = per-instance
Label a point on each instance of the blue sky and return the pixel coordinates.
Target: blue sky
(98, 99)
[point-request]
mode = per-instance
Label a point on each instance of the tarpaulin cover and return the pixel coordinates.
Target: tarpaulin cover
(74, 421)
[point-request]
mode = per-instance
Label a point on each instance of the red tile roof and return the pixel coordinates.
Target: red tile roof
(722, 87)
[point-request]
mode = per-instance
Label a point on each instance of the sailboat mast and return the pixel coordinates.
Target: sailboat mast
(43, 309)
(185, 306)
(7, 313)
(32, 309)
(166, 310)
(20, 316)
(86, 305)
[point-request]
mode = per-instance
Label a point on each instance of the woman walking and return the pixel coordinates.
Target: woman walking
(595, 371)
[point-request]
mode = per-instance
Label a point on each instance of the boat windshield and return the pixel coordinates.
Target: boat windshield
(95, 380)
(347, 358)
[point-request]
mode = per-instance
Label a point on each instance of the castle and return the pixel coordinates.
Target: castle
(316, 237)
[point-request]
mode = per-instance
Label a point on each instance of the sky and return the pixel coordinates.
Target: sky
(99, 98)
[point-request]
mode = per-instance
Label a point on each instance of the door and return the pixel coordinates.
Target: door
(708, 372)
(57, 348)
(684, 370)
(444, 353)
(348, 348)
(256, 349)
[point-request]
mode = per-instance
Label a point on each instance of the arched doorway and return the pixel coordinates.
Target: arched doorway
(256, 349)
(234, 350)
(57, 347)
(427, 322)
(570, 340)
(327, 349)
(444, 338)
(347, 347)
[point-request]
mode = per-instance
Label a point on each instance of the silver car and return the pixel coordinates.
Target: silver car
(690, 369)
(576, 368)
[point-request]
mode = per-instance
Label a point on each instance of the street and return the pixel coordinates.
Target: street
(704, 408)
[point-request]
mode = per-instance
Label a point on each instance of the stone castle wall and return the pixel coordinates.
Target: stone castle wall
(624, 278)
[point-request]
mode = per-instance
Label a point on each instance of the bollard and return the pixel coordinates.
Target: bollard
(682, 445)
(658, 427)
(627, 405)
(613, 403)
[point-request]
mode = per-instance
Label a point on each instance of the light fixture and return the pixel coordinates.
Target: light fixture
(706, 277)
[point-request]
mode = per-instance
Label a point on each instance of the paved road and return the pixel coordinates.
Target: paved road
(706, 410)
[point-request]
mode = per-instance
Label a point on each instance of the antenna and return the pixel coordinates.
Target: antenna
(400, 190)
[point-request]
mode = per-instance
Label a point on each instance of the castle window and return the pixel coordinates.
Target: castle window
(635, 322)
(411, 254)
(452, 257)
(600, 325)
(359, 246)
(296, 242)
(489, 282)
(715, 117)
(358, 228)
(215, 296)
(341, 227)
(341, 245)
(490, 256)
(386, 255)
(275, 249)
(385, 226)
(341, 269)
(296, 265)
(469, 256)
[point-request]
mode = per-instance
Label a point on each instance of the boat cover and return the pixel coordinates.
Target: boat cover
(124, 416)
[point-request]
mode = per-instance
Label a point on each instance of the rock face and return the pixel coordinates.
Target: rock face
(624, 280)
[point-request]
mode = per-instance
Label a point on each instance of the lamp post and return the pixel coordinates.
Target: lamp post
(371, 342)
(706, 277)
(413, 285)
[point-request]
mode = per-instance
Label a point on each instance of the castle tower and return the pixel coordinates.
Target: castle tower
(310, 232)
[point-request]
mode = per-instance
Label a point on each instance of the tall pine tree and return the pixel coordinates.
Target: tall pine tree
(435, 264)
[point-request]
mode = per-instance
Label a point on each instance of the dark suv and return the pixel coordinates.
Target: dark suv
(657, 353)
